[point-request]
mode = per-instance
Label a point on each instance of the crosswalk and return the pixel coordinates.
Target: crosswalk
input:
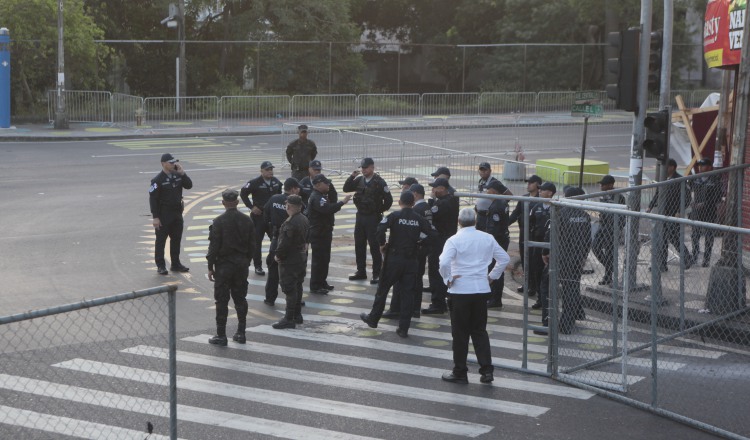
(330, 378)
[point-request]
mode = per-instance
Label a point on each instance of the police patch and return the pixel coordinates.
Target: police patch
(434, 209)
(153, 187)
(385, 220)
(496, 217)
(323, 202)
(386, 189)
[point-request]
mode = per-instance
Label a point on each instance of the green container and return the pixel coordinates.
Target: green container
(565, 171)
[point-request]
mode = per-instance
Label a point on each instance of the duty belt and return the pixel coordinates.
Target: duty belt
(483, 213)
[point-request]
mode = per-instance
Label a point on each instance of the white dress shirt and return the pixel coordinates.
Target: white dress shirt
(465, 259)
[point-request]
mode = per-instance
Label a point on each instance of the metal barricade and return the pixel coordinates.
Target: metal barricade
(253, 111)
(188, 112)
(388, 106)
(83, 106)
(128, 110)
(58, 361)
(499, 103)
(319, 107)
(445, 104)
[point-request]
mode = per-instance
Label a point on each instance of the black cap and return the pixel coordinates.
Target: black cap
(316, 165)
(535, 178)
(302, 128)
(548, 186)
(671, 163)
(320, 178)
(485, 166)
(166, 157)
(441, 170)
(230, 195)
(407, 198)
(705, 161)
(497, 186)
(417, 188)
(574, 191)
(294, 199)
(408, 181)
(291, 183)
(266, 165)
(606, 180)
(366, 162)
(441, 181)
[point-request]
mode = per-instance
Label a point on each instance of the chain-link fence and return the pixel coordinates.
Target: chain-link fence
(65, 371)
(650, 307)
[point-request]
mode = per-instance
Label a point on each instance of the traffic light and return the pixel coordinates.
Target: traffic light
(657, 134)
(654, 62)
(625, 67)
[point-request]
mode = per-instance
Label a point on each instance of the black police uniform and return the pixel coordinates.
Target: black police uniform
(406, 227)
(372, 199)
(518, 215)
(496, 224)
(445, 220)
(231, 242)
(261, 191)
(274, 215)
(299, 153)
(538, 222)
(707, 193)
(604, 239)
(306, 188)
(671, 230)
(320, 212)
(575, 244)
(422, 208)
(292, 253)
(165, 200)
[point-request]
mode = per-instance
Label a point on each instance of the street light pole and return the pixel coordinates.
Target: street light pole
(61, 117)
(182, 83)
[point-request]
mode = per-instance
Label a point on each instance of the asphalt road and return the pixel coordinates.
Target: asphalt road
(76, 225)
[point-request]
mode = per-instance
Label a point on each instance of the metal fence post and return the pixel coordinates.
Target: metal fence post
(553, 297)
(172, 364)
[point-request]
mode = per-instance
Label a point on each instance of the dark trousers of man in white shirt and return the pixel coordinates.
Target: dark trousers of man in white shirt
(469, 320)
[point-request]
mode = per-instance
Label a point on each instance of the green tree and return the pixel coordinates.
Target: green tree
(33, 30)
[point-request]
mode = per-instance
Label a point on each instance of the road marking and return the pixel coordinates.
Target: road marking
(70, 427)
(161, 409)
(286, 400)
(362, 385)
(393, 367)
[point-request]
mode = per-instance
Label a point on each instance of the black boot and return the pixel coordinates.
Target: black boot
(239, 336)
(284, 323)
(221, 336)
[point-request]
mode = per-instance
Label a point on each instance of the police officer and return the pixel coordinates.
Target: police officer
(422, 208)
(230, 249)
(372, 198)
(706, 196)
(274, 215)
(300, 152)
(575, 230)
(405, 227)
(165, 200)
(407, 183)
(532, 186)
(320, 213)
(538, 223)
(496, 223)
(306, 186)
(604, 241)
(261, 189)
(445, 220)
(291, 254)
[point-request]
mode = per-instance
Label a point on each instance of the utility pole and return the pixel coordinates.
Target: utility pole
(61, 116)
(181, 35)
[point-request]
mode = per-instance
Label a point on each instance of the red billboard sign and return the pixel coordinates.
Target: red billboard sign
(722, 32)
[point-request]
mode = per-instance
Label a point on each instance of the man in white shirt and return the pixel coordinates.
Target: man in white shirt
(463, 267)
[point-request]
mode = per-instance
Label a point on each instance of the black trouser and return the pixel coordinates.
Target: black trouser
(708, 241)
(292, 276)
(536, 266)
(604, 248)
(498, 285)
(570, 294)
(320, 245)
(544, 295)
(300, 174)
(230, 280)
(439, 290)
(469, 320)
(398, 289)
(261, 230)
(671, 234)
(402, 269)
(272, 282)
(171, 226)
(365, 233)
